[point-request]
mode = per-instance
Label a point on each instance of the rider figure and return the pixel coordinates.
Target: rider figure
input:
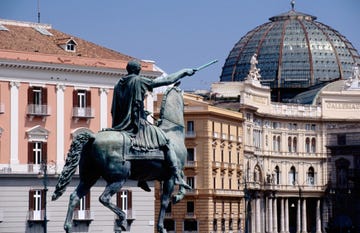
(128, 114)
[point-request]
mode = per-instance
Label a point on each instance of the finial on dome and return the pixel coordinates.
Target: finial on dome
(292, 4)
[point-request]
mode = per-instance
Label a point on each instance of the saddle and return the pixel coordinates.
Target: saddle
(121, 145)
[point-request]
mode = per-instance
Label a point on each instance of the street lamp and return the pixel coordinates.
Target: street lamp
(43, 170)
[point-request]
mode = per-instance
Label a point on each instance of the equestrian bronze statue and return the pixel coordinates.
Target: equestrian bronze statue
(133, 148)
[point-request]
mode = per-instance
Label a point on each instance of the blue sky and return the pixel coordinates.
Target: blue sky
(177, 34)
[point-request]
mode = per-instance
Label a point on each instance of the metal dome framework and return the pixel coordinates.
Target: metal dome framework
(294, 52)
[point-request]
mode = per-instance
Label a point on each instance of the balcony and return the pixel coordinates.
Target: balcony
(83, 215)
(216, 165)
(83, 113)
(190, 134)
(36, 215)
(190, 215)
(37, 110)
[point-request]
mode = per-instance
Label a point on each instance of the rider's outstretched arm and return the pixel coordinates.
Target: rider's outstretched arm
(172, 78)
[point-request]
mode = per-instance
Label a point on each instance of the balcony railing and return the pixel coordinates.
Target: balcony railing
(191, 164)
(83, 112)
(36, 215)
(190, 134)
(83, 215)
(38, 110)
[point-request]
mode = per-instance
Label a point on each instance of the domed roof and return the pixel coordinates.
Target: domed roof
(295, 52)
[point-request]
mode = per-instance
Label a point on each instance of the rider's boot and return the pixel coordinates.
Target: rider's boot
(143, 185)
(178, 179)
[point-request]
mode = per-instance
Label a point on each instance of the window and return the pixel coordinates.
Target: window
(169, 225)
(190, 181)
(190, 207)
(292, 176)
(190, 154)
(277, 175)
(311, 176)
(215, 225)
(36, 204)
(82, 103)
(37, 101)
(289, 144)
(190, 131)
(190, 225)
(294, 145)
(37, 152)
(313, 145)
(70, 46)
(124, 202)
(307, 145)
(82, 209)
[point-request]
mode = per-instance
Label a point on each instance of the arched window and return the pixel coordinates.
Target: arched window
(278, 143)
(292, 176)
(307, 145)
(294, 145)
(257, 174)
(277, 175)
(311, 176)
(274, 143)
(289, 144)
(313, 145)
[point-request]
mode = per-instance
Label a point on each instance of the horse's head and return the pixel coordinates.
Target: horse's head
(172, 108)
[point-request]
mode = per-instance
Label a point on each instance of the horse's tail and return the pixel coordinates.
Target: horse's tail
(71, 163)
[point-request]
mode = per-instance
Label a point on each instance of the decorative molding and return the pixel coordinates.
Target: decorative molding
(14, 84)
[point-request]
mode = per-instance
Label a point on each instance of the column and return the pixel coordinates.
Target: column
(267, 214)
(253, 212)
(60, 144)
(318, 217)
(14, 124)
(258, 219)
(282, 216)
(275, 216)
(103, 107)
(270, 217)
(303, 220)
(298, 217)
(287, 215)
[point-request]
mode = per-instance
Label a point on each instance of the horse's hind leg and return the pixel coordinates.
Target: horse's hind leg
(82, 189)
(168, 188)
(105, 199)
(180, 195)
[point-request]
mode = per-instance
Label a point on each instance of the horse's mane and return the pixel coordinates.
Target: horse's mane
(165, 103)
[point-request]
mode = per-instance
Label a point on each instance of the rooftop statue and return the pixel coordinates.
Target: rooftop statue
(133, 148)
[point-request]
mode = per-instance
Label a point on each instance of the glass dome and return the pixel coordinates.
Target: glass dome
(295, 53)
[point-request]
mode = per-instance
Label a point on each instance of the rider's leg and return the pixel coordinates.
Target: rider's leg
(172, 160)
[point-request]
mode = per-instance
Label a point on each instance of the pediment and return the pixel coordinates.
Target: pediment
(37, 133)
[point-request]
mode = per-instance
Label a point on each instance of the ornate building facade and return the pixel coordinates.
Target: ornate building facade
(52, 87)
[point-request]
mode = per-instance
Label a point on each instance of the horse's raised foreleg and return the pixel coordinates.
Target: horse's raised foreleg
(105, 199)
(168, 188)
(73, 201)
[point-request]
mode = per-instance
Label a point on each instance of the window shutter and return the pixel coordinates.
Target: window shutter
(129, 197)
(31, 153)
(88, 98)
(43, 199)
(31, 200)
(44, 96)
(31, 95)
(44, 152)
(87, 201)
(75, 99)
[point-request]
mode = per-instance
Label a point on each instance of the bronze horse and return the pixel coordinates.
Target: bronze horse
(102, 155)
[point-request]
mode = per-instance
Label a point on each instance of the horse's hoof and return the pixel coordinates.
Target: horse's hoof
(122, 224)
(176, 199)
(67, 228)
